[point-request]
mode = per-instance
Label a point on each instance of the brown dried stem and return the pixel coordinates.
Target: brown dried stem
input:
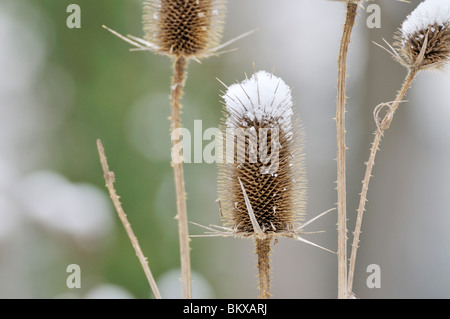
(109, 179)
(179, 73)
(263, 251)
(341, 148)
(379, 133)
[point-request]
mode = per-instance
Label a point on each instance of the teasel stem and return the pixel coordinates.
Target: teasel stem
(341, 148)
(263, 251)
(379, 133)
(109, 180)
(179, 74)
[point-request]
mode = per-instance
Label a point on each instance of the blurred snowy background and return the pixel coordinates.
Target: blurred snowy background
(61, 89)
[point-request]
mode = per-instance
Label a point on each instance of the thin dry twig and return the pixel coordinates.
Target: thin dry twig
(109, 179)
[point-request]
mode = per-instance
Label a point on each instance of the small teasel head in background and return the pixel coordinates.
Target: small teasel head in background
(188, 28)
(423, 41)
(261, 183)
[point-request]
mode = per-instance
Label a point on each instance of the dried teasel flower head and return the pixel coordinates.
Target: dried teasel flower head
(182, 29)
(423, 40)
(262, 184)
(188, 28)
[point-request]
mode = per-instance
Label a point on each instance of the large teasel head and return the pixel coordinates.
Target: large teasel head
(423, 41)
(188, 28)
(261, 184)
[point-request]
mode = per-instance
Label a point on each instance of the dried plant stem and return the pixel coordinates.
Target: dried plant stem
(341, 148)
(382, 126)
(179, 74)
(109, 179)
(263, 251)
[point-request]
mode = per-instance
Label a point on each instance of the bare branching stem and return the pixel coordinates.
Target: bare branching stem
(263, 251)
(382, 126)
(341, 148)
(109, 179)
(179, 74)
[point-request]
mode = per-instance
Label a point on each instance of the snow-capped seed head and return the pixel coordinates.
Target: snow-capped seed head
(263, 181)
(424, 37)
(189, 28)
(262, 98)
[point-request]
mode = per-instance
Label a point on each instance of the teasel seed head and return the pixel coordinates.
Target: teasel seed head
(265, 176)
(188, 28)
(423, 40)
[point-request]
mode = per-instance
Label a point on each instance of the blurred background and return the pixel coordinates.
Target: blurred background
(61, 89)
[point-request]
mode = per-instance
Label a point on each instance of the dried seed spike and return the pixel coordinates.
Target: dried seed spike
(137, 44)
(317, 217)
(248, 96)
(392, 51)
(312, 244)
(215, 51)
(257, 85)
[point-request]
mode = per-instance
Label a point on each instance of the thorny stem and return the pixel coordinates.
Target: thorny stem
(341, 148)
(382, 126)
(179, 74)
(109, 179)
(263, 251)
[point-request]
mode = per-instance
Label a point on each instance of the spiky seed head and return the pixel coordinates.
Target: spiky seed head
(266, 156)
(349, 1)
(189, 28)
(424, 37)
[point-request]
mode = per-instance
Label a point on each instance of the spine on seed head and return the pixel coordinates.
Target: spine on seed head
(266, 161)
(188, 28)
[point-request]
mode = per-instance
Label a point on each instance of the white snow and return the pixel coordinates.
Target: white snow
(427, 13)
(262, 97)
